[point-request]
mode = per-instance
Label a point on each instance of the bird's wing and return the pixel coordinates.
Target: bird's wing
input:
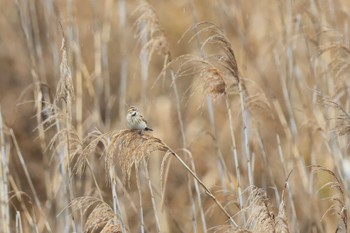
(144, 119)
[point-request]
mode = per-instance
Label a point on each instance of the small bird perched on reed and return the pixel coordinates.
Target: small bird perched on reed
(136, 121)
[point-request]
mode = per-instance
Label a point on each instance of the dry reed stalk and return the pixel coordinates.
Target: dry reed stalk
(26, 172)
(142, 221)
(16, 193)
(152, 196)
(98, 83)
(281, 221)
(156, 41)
(281, 225)
(19, 228)
(164, 172)
(150, 30)
(290, 191)
(79, 84)
(124, 60)
(218, 91)
(193, 207)
(267, 162)
(5, 208)
(199, 199)
(214, 85)
(29, 181)
(117, 206)
(25, 26)
(63, 101)
(228, 64)
(105, 39)
(44, 114)
(287, 69)
(217, 85)
(30, 25)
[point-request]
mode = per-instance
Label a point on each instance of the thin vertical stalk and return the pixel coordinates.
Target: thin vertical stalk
(234, 151)
(98, 69)
(105, 38)
(144, 63)
(178, 108)
(69, 4)
(26, 172)
(281, 155)
(19, 228)
(193, 205)
(34, 23)
(182, 130)
(79, 84)
(67, 180)
(123, 60)
(245, 116)
(152, 196)
(5, 209)
(116, 207)
(199, 199)
(267, 164)
(29, 24)
(31, 219)
(140, 200)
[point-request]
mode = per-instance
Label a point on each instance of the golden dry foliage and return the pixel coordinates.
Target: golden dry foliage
(261, 218)
(124, 149)
(128, 148)
(281, 222)
(98, 214)
(243, 93)
(341, 118)
(147, 24)
(338, 199)
(65, 89)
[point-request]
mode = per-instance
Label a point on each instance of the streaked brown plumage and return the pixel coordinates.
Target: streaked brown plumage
(136, 121)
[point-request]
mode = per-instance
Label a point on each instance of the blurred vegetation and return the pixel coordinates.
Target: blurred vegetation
(250, 98)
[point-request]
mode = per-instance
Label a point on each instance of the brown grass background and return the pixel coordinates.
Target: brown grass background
(293, 58)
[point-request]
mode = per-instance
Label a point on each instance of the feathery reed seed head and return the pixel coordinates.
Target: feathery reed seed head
(65, 89)
(213, 83)
(148, 26)
(99, 215)
(128, 148)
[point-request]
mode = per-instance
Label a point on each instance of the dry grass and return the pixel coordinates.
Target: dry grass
(99, 215)
(249, 103)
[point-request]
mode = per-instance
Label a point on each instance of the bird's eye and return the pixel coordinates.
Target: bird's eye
(134, 114)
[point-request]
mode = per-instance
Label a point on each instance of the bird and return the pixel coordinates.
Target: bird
(136, 121)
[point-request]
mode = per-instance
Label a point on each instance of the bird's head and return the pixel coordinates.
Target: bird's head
(132, 111)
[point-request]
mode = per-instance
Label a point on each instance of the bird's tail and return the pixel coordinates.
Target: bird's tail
(148, 129)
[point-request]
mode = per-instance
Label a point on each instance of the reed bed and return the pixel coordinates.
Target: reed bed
(249, 102)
